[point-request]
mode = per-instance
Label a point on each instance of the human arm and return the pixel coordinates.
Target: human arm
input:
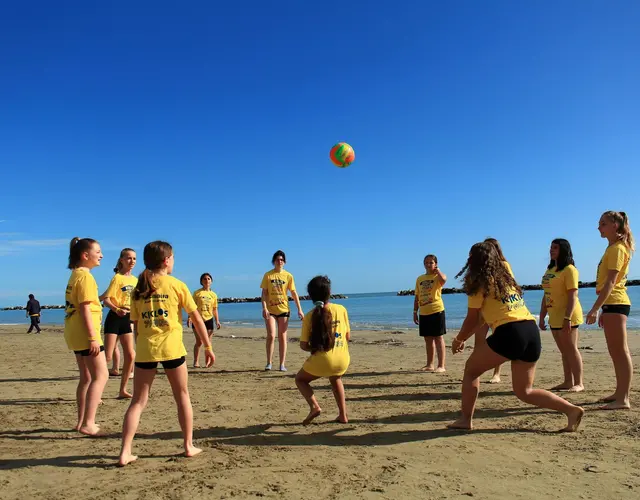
(201, 332)
(442, 278)
(265, 310)
(109, 303)
(572, 298)
(543, 313)
(305, 346)
(468, 326)
(296, 299)
(416, 320)
(215, 316)
(85, 313)
(610, 282)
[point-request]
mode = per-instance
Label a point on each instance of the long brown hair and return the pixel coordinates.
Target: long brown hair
(624, 231)
(77, 247)
(123, 252)
(154, 255)
(322, 337)
(485, 272)
(496, 244)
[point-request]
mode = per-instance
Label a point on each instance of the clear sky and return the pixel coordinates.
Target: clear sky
(209, 124)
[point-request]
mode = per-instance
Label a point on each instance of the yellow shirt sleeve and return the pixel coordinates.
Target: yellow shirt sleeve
(264, 284)
(616, 258)
(475, 301)
(214, 301)
(186, 300)
(87, 289)
(292, 285)
(306, 327)
(113, 287)
(417, 292)
(571, 278)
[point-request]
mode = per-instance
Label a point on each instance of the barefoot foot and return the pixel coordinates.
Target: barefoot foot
(608, 399)
(312, 414)
(573, 419)
(495, 379)
(89, 430)
(616, 405)
(191, 451)
(124, 395)
(576, 388)
(565, 386)
(461, 424)
(114, 373)
(126, 459)
(440, 369)
(341, 419)
(427, 369)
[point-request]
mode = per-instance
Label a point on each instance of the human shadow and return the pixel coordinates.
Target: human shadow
(75, 461)
(348, 385)
(426, 396)
(38, 379)
(34, 401)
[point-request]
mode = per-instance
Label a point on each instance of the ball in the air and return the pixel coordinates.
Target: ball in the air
(342, 155)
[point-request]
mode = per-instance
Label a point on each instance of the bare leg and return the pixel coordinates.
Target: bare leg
(129, 354)
(81, 390)
(495, 378)
(615, 331)
(196, 352)
(430, 347)
(303, 380)
(271, 337)
(141, 387)
(338, 393)
(523, 374)
(561, 342)
(575, 361)
(110, 348)
(482, 359)
(441, 350)
(178, 378)
(97, 366)
(283, 325)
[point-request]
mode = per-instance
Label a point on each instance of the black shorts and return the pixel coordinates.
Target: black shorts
(167, 365)
(208, 324)
(281, 315)
(85, 352)
(617, 309)
(117, 325)
(517, 341)
(433, 325)
(559, 329)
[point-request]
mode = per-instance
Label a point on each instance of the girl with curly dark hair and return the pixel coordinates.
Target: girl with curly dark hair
(495, 296)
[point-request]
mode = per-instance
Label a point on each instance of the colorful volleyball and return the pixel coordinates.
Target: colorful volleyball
(342, 155)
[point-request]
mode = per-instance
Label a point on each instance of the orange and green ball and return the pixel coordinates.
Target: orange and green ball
(342, 155)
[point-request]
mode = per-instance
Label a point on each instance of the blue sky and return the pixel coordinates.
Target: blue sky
(209, 124)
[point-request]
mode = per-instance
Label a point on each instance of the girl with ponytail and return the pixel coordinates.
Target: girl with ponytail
(325, 334)
(82, 320)
(613, 299)
(117, 325)
(156, 312)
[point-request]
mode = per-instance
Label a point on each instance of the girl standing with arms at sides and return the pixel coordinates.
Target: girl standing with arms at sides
(560, 301)
(275, 306)
(117, 325)
(428, 312)
(614, 301)
(325, 334)
(483, 330)
(207, 302)
(156, 310)
(494, 294)
(82, 320)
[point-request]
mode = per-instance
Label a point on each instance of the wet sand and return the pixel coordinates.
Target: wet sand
(248, 423)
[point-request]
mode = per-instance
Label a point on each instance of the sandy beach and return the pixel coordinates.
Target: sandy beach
(248, 423)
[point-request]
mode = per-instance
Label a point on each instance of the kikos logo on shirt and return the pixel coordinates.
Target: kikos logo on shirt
(278, 282)
(160, 313)
(514, 297)
(127, 289)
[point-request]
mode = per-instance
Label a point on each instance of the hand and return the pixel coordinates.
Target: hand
(300, 315)
(209, 358)
(542, 324)
(457, 346)
(189, 323)
(592, 316)
(121, 312)
(94, 348)
(600, 322)
(218, 326)
(416, 320)
(265, 314)
(566, 327)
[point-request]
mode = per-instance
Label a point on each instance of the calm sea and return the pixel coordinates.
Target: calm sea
(370, 311)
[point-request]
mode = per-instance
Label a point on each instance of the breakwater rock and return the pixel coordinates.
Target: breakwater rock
(581, 284)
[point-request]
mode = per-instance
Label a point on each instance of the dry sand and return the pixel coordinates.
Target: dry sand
(248, 423)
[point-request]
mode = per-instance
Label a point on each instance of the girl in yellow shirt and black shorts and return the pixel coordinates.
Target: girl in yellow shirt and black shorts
(117, 325)
(82, 321)
(156, 311)
(613, 299)
(326, 335)
(560, 301)
(207, 302)
(494, 294)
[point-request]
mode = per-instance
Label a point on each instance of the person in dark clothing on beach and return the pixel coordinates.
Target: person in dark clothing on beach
(33, 312)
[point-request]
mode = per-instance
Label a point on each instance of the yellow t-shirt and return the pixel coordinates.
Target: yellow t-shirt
(335, 362)
(429, 293)
(120, 289)
(556, 284)
(276, 284)
(497, 312)
(207, 301)
(508, 266)
(81, 287)
(616, 257)
(159, 320)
